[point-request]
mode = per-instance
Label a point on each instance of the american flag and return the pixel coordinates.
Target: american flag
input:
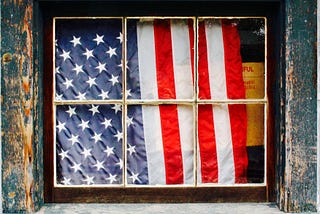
(160, 138)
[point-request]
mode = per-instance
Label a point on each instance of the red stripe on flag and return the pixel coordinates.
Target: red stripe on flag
(236, 90)
(168, 113)
(203, 73)
(207, 141)
(207, 144)
(191, 39)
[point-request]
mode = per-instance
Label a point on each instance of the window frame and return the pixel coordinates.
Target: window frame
(146, 194)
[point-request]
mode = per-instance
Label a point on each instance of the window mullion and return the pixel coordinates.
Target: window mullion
(124, 98)
(195, 121)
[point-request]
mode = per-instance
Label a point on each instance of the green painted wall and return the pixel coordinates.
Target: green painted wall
(298, 185)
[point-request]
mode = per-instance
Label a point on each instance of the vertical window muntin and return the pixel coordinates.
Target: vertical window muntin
(195, 101)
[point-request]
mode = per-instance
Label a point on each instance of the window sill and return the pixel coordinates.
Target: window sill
(162, 208)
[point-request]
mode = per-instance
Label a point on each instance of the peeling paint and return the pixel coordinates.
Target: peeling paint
(26, 96)
(17, 69)
(298, 192)
(6, 58)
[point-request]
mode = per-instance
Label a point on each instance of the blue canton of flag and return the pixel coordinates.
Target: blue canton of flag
(88, 59)
(88, 66)
(89, 144)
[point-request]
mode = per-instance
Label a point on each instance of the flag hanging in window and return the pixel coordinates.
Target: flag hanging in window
(160, 138)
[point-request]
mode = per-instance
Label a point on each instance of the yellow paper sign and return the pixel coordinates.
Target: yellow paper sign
(254, 82)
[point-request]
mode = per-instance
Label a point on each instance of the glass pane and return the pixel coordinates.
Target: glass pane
(88, 144)
(231, 55)
(160, 59)
(160, 145)
(231, 143)
(88, 59)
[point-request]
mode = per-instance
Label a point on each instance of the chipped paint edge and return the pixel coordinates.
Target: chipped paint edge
(1, 209)
(318, 105)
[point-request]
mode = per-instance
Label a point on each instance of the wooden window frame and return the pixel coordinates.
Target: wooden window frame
(148, 194)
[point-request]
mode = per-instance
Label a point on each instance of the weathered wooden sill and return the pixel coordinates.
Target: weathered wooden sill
(180, 208)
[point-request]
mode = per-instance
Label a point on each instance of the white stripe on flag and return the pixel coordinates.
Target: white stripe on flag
(185, 115)
(182, 60)
(147, 61)
(184, 90)
(154, 147)
(216, 67)
(151, 114)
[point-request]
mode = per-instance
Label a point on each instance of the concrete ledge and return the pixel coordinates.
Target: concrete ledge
(216, 208)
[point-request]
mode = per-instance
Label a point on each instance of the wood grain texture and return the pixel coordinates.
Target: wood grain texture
(17, 115)
(298, 192)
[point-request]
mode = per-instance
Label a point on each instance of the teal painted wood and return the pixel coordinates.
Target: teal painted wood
(19, 143)
(298, 191)
(38, 169)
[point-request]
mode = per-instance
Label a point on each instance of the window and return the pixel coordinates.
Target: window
(158, 102)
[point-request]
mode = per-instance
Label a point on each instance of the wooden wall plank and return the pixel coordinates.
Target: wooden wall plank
(298, 192)
(17, 113)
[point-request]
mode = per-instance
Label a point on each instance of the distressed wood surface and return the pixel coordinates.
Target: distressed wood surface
(17, 94)
(298, 192)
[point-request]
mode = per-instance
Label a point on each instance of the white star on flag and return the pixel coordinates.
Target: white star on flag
(86, 152)
(76, 41)
(119, 136)
(64, 154)
(81, 96)
(120, 163)
(97, 137)
(111, 178)
(101, 67)
(109, 151)
(61, 126)
(89, 180)
(88, 53)
(114, 79)
(71, 111)
(99, 39)
(134, 177)
(91, 81)
(76, 167)
(131, 149)
(66, 181)
(74, 139)
(120, 37)
(106, 123)
(68, 83)
(65, 55)
(99, 165)
(94, 109)
(84, 124)
(116, 108)
(104, 94)
(112, 51)
(78, 69)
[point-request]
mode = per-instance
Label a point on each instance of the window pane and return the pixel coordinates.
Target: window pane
(160, 144)
(160, 59)
(88, 144)
(231, 58)
(88, 59)
(231, 143)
